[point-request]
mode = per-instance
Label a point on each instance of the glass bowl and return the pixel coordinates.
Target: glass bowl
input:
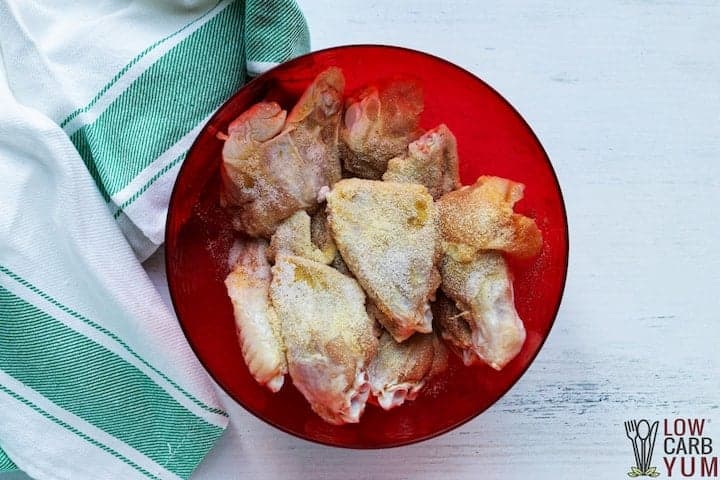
(493, 139)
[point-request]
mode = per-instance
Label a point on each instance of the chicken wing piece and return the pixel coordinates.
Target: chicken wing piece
(328, 336)
(379, 124)
(431, 160)
(314, 125)
(481, 217)
(454, 329)
(321, 236)
(294, 237)
(487, 324)
(388, 236)
(262, 172)
(399, 371)
(274, 166)
(258, 327)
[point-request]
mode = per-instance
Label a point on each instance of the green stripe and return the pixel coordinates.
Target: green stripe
(276, 31)
(110, 334)
(166, 101)
(77, 432)
(127, 67)
(83, 148)
(6, 465)
(147, 185)
(100, 387)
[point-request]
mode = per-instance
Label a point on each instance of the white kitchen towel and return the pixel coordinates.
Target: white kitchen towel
(132, 83)
(99, 102)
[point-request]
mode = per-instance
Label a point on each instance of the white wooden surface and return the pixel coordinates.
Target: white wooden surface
(625, 97)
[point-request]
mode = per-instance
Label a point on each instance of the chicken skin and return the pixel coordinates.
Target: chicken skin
(314, 125)
(248, 286)
(320, 233)
(454, 329)
(431, 160)
(399, 371)
(328, 336)
(484, 325)
(294, 237)
(481, 217)
(275, 164)
(388, 236)
(379, 123)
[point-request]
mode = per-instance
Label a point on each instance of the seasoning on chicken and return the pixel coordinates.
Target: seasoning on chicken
(294, 237)
(379, 124)
(328, 336)
(258, 327)
(431, 160)
(481, 217)
(320, 234)
(274, 166)
(388, 236)
(314, 125)
(399, 371)
(484, 325)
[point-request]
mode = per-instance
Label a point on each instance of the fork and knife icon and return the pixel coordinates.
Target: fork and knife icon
(642, 435)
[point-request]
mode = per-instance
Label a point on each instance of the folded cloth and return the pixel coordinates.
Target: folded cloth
(132, 84)
(99, 102)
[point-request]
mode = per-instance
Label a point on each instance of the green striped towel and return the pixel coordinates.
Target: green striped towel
(99, 103)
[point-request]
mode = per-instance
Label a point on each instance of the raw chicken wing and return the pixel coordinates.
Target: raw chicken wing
(328, 335)
(379, 124)
(258, 327)
(274, 166)
(401, 370)
(481, 217)
(486, 325)
(431, 160)
(388, 236)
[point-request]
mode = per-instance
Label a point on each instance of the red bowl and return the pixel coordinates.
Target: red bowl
(492, 139)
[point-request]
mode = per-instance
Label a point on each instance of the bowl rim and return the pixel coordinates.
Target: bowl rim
(566, 232)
